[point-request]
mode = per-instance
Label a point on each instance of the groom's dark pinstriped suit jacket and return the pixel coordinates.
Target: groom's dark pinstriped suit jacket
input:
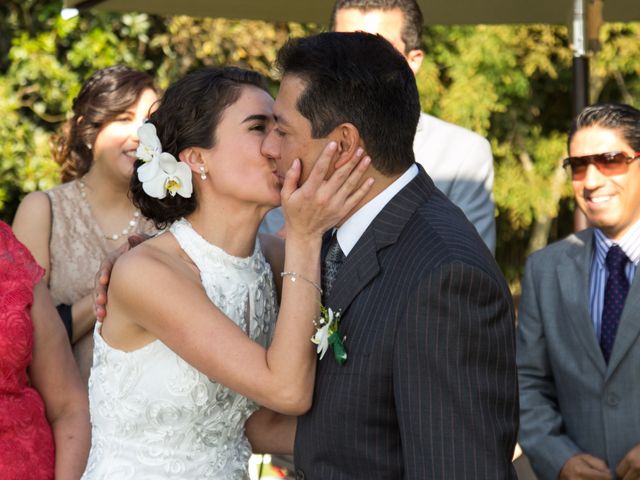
(429, 390)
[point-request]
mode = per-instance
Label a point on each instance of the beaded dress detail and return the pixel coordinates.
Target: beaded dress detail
(154, 416)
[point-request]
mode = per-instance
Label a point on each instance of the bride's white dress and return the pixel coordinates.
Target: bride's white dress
(153, 415)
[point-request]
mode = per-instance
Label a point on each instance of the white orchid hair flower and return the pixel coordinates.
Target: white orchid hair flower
(166, 174)
(161, 172)
(149, 148)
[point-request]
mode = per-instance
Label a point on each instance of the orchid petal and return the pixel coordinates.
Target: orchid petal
(156, 186)
(183, 173)
(149, 147)
(322, 349)
(168, 163)
(147, 135)
(321, 338)
(149, 170)
(146, 154)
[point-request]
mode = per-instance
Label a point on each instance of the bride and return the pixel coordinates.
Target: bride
(191, 347)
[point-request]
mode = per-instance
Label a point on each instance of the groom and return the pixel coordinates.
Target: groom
(429, 390)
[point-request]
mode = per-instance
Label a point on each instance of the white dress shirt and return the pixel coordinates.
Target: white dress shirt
(350, 231)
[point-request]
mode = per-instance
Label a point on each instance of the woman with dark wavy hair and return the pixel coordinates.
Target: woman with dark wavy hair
(190, 347)
(71, 228)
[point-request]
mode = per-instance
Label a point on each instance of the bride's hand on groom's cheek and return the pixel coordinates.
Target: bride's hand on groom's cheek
(321, 202)
(101, 282)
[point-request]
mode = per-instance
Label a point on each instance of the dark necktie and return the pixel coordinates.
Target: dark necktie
(331, 264)
(615, 293)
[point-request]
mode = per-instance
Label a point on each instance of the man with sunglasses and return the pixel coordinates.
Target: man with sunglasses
(578, 349)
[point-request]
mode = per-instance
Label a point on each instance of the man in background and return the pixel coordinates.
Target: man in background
(579, 318)
(459, 161)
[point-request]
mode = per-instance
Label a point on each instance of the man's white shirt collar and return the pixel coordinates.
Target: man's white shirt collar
(351, 230)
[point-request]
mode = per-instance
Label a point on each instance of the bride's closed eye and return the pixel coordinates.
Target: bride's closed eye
(259, 127)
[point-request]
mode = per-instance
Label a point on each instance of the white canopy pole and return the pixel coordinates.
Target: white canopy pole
(580, 79)
(580, 58)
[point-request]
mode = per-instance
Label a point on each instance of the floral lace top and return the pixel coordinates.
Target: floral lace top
(26, 441)
(153, 414)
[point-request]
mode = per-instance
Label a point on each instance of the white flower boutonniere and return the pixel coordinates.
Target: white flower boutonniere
(327, 334)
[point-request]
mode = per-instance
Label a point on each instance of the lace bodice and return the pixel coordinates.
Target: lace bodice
(155, 416)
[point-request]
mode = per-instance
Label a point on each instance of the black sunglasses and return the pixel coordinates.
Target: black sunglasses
(609, 163)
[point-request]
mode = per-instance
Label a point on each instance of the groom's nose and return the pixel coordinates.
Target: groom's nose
(270, 147)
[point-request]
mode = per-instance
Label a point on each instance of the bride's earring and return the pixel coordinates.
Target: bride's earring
(203, 174)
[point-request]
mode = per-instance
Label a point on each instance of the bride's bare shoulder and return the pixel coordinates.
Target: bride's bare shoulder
(159, 259)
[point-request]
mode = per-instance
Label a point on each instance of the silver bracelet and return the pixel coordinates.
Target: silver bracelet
(295, 275)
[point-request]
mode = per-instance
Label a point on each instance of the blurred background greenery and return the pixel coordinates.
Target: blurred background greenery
(511, 84)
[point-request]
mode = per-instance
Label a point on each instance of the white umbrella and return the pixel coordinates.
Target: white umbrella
(435, 11)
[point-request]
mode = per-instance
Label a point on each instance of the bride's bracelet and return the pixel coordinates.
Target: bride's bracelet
(295, 276)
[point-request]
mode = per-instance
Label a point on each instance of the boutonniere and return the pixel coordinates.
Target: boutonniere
(327, 335)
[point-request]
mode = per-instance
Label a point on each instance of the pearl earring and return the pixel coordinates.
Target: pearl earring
(203, 175)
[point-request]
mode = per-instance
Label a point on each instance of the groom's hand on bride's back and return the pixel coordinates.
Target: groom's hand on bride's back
(101, 283)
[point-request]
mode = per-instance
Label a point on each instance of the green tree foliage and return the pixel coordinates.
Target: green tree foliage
(511, 84)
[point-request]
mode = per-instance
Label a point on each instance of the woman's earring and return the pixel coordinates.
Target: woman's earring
(88, 145)
(203, 175)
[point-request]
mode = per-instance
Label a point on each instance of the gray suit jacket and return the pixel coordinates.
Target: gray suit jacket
(461, 165)
(571, 400)
(429, 388)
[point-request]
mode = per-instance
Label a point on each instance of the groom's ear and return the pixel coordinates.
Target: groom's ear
(348, 138)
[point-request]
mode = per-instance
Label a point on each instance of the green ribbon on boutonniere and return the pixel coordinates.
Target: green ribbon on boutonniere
(339, 352)
(327, 335)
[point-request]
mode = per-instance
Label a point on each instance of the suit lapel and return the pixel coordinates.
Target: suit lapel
(573, 274)
(629, 327)
(358, 269)
(362, 264)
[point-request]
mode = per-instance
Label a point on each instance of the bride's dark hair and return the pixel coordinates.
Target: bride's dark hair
(188, 116)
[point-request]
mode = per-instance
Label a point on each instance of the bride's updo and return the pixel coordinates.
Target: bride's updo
(188, 116)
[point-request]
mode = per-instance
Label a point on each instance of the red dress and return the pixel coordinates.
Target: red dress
(26, 440)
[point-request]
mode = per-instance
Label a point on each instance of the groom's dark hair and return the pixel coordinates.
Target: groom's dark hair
(361, 79)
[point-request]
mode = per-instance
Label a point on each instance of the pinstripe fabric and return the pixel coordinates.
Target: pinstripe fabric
(429, 390)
